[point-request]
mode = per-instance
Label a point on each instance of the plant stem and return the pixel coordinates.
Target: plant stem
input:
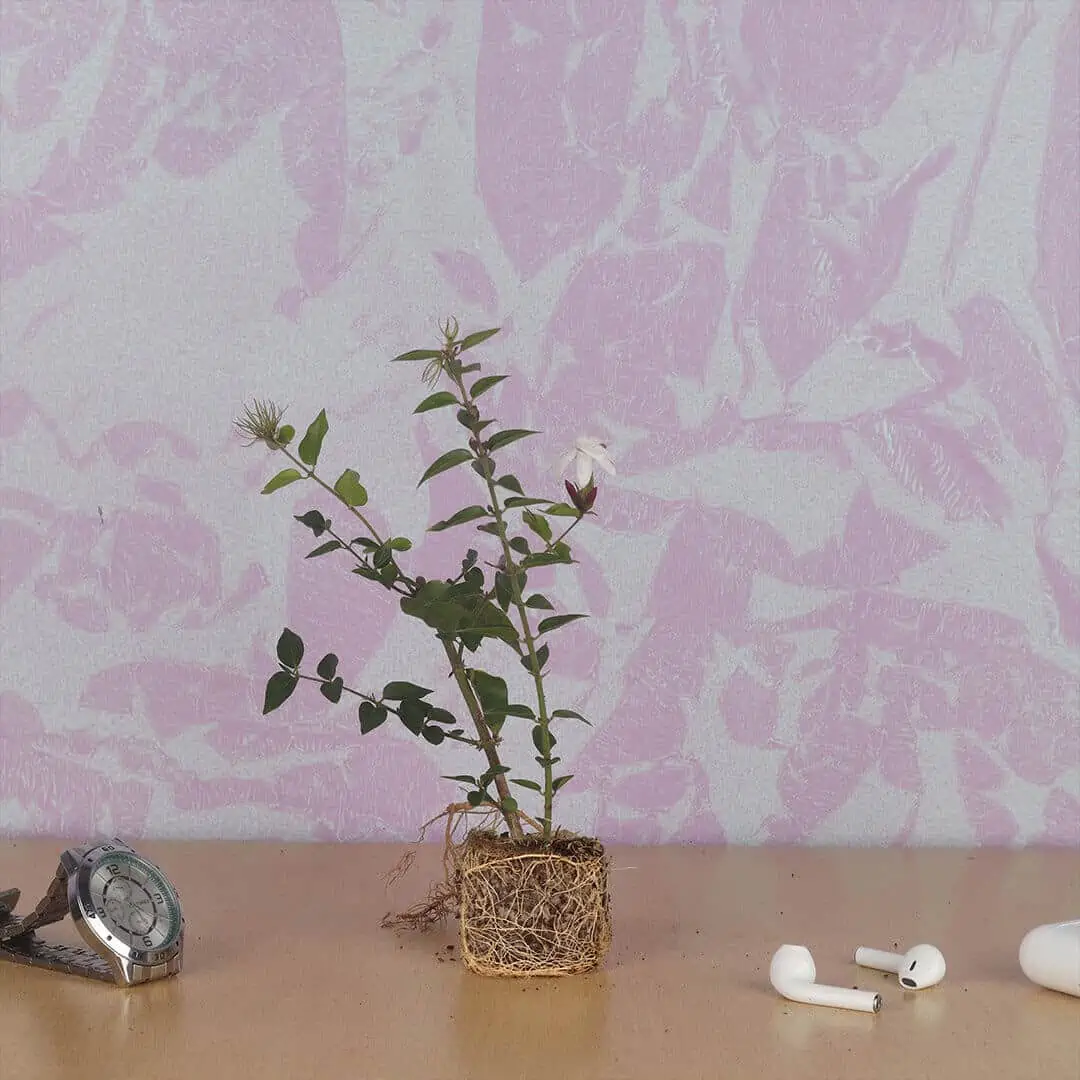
(376, 701)
(486, 740)
(483, 734)
(543, 720)
(562, 536)
(410, 585)
(310, 474)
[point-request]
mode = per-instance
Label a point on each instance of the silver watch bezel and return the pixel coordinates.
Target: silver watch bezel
(89, 925)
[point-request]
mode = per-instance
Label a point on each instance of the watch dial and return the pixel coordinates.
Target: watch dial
(134, 902)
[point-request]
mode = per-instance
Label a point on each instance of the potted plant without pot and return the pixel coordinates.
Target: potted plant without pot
(531, 897)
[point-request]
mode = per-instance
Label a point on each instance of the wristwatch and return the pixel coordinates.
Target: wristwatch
(123, 906)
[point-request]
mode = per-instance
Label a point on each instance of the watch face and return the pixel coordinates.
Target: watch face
(129, 904)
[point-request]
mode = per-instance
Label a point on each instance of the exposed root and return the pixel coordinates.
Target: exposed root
(527, 907)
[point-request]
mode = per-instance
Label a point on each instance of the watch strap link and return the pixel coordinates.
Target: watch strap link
(53, 907)
(30, 950)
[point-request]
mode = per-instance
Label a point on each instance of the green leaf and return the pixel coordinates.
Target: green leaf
(520, 710)
(519, 500)
(285, 434)
(434, 735)
(569, 714)
(314, 521)
(438, 400)
(484, 468)
(400, 543)
(324, 549)
(447, 461)
(505, 438)
(470, 513)
(349, 490)
(496, 630)
(290, 649)
(381, 556)
(461, 779)
(561, 510)
(542, 740)
(544, 558)
(491, 690)
(402, 691)
(503, 593)
(538, 525)
(332, 690)
(511, 483)
(286, 476)
(443, 616)
(311, 443)
(560, 780)
(471, 421)
(327, 668)
(556, 621)
(538, 601)
(541, 659)
(492, 527)
(371, 716)
(459, 610)
(476, 338)
(278, 688)
(412, 712)
(520, 545)
(486, 383)
(490, 774)
(441, 716)
(470, 560)
(532, 785)
(417, 354)
(472, 583)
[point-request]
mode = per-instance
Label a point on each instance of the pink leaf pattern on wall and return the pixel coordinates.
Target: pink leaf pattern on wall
(755, 247)
(842, 253)
(1006, 367)
(933, 461)
(466, 273)
(1057, 276)
(188, 85)
(1063, 586)
(553, 83)
(632, 321)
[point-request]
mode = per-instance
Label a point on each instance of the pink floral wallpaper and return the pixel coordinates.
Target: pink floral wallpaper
(811, 269)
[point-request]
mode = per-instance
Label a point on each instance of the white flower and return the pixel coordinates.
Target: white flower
(584, 456)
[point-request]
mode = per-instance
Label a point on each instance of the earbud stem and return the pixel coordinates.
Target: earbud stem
(836, 997)
(878, 960)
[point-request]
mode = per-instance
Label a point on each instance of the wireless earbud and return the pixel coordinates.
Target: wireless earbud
(1050, 956)
(918, 968)
(792, 974)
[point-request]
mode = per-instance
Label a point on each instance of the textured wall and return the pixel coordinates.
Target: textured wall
(809, 266)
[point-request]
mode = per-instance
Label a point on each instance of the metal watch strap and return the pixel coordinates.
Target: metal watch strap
(30, 950)
(53, 907)
(20, 945)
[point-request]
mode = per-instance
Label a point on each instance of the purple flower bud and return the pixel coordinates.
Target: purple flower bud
(575, 496)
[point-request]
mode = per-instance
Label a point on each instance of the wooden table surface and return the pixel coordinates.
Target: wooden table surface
(288, 976)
